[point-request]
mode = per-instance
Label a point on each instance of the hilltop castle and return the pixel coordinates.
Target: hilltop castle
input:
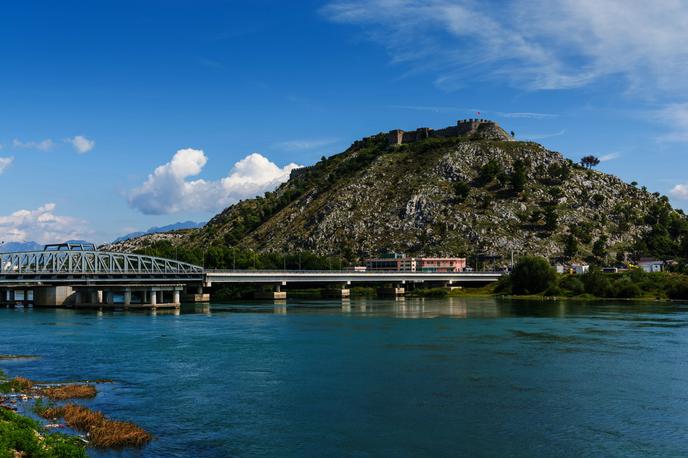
(472, 128)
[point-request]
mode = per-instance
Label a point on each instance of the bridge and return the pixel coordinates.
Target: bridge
(95, 278)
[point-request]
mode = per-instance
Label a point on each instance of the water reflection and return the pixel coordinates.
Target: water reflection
(452, 307)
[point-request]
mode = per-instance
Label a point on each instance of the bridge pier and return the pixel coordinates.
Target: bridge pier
(53, 296)
(339, 291)
(393, 290)
(275, 294)
(195, 294)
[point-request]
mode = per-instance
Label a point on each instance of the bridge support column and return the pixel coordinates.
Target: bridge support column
(52, 296)
(198, 296)
(153, 298)
(176, 297)
(394, 290)
(339, 291)
(127, 298)
(275, 294)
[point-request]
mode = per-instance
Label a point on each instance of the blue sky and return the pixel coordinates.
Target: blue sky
(118, 116)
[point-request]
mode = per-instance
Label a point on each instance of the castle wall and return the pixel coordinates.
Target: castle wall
(464, 127)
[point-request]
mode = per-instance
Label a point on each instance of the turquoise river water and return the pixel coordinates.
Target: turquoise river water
(449, 377)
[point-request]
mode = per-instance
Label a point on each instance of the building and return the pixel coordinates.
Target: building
(399, 262)
(580, 269)
(651, 264)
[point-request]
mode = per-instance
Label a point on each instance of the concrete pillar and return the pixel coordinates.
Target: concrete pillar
(161, 297)
(100, 296)
(127, 298)
(109, 299)
(199, 289)
(153, 298)
(77, 298)
(176, 297)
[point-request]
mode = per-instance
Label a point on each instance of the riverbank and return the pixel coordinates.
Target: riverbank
(24, 403)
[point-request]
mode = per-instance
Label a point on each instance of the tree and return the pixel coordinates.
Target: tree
(518, 177)
(599, 248)
(570, 246)
(461, 190)
(551, 218)
(531, 275)
(589, 161)
(488, 172)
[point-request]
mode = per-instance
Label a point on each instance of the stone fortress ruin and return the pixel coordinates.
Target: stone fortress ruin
(471, 128)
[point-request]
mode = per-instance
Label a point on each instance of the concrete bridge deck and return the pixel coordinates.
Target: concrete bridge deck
(56, 276)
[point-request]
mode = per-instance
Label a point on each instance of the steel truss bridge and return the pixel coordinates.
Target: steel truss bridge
(100, 267)
(73, 267)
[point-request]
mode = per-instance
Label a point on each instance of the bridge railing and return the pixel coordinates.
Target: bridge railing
(91, 263)
(345, 271)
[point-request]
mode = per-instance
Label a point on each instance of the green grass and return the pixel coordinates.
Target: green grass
(19, 434)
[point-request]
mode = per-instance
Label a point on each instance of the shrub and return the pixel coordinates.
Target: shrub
(572, 284)
(531, 275)
(624, 287)
(597, 283)
(678, 289)
(432, 292)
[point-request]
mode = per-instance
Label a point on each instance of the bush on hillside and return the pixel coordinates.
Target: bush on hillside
(532, 275)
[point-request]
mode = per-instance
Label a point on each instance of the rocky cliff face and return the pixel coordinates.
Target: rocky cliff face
(439, 196)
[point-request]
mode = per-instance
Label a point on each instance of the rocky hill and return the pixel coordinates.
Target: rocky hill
(436, 193)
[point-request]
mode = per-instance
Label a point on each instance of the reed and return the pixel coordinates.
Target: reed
(60, 393)
(102, 432)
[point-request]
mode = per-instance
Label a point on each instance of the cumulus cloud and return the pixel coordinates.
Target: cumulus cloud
(42, 225)
(43, 145)
(5, 162)
(169, 188)
(81, 144)
(680, 191)
(539, 44)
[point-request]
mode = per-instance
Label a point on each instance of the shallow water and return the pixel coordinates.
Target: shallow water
(443, 377)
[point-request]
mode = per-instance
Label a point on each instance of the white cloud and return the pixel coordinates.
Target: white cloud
(610, 157)
(43, 145)
(5, 162)
(541, 136)
(527, 115)
(41, 225)
(306, 144)
(169, 190)
(81, 144)
(539, 44)
(680, 191)
(675, 117)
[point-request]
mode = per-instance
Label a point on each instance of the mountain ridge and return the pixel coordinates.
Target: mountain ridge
(450, 195)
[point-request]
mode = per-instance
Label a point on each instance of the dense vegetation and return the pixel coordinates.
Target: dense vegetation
(225, 257)
(534, 276)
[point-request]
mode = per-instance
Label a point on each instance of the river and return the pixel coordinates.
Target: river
(440, 377)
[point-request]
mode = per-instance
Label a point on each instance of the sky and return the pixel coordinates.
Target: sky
(116, 116)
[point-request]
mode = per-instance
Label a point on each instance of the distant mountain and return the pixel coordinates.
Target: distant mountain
(11, 247)
(155, 230)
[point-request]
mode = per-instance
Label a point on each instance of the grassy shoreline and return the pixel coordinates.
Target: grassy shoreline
(22, 435)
